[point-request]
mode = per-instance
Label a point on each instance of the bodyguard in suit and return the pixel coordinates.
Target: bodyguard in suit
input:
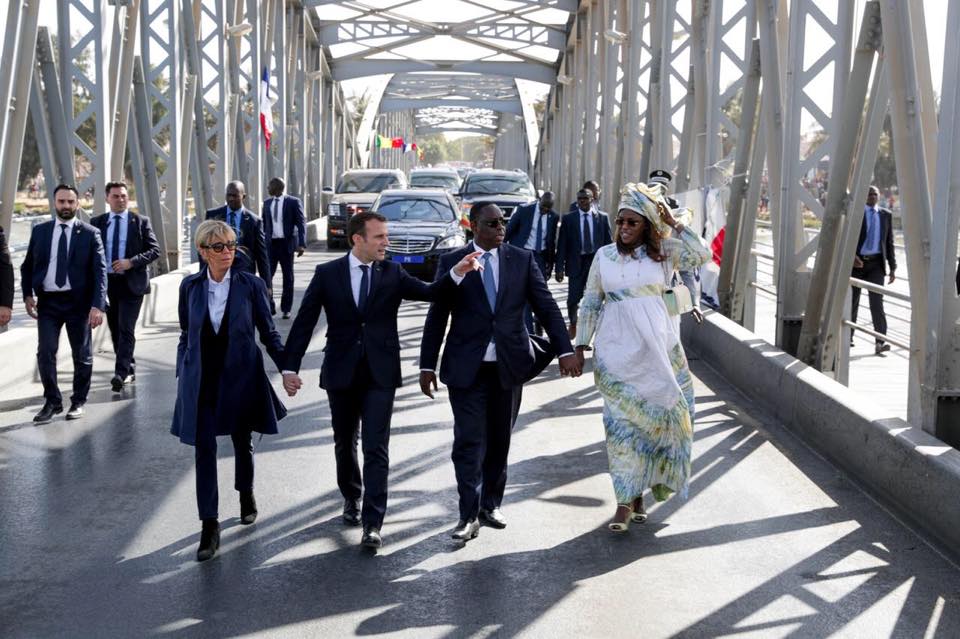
(66, 268)
(6, 281)
(222, 387)
(251, 246)
(487, 358)
(361, 293)
(130, 246)
(581, 234)
(286, 234)
(534, 227)
(874, 253)
(593, 189)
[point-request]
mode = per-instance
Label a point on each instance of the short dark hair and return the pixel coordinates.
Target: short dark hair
(476, 209)
(357, 224)
(590, 184)
(114, 185)
(67, 187)
(584, 193)
(278, 181)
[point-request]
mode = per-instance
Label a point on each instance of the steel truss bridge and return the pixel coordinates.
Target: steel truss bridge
(633, 85)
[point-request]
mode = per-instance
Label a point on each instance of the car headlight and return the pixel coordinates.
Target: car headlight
(333, 209)
(452, 241)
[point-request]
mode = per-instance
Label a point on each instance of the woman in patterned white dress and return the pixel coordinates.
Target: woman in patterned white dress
(639, 364)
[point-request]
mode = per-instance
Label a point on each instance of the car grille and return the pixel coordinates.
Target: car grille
(409, 245)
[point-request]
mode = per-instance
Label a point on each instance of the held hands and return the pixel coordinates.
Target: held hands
(291, 383)
(428, 379)
(31, 306)
(572, 365)
(468, 263)
(96, 317)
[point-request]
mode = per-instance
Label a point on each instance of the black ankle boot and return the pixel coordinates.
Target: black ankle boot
(248, 508)
(209, 539)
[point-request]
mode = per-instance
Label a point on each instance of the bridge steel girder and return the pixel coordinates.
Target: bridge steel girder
(404, 104)
(352, 69)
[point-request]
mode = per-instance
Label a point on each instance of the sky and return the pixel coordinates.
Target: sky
(935, 14)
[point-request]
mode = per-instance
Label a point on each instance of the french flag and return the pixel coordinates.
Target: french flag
(266, 107)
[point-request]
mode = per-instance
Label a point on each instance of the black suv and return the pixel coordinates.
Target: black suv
(506, 189)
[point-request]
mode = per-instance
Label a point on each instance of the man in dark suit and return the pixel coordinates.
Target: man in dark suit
(581, 234)
(874, 253)
(251, 246)
(534, 227)
(66, 268)
(6, 281)
(487, 358)
(361, 293)
(130, 246)
(591, 187)
(286, 234)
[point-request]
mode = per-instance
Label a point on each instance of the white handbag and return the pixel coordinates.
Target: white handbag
(676, 297)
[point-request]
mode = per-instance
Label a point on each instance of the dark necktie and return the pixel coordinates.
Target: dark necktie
(61, 278)
(539, 244)
(115, 249)
(364, 284)
(233, 220)
(489, 286)
(587, 237)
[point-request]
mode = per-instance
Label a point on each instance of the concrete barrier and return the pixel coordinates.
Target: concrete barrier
(317, 230)
(914, 473)
(19, 345)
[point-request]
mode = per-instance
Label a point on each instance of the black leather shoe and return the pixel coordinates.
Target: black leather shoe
(466, 530)
(248, 508)
(371, 537)
(493, 518)
(881, 348)
(351, 512)
(286, 315)
(45, 416)
(76, 411)
(209, 539)
(116, 383)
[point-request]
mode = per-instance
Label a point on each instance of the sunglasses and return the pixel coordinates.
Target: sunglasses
(492, 224)
(219, 246)
(631, 223)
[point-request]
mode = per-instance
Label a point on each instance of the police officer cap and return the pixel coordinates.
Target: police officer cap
(660, 176)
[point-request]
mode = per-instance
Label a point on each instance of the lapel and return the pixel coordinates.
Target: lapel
(198, 302)
(74, 240)
(344, 268)
(45, 238)
(502, 279)
(578, 233)
(376, 272)
(133, 234)
(233, 299)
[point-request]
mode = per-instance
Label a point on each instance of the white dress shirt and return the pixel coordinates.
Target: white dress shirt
(50, 279)
(356, 274)
(277, 213)
(531, 244)
(217, 294)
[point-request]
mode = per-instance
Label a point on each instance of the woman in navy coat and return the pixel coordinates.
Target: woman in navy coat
(222, 387)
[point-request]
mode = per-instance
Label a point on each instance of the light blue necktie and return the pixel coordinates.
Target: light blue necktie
(489, 286)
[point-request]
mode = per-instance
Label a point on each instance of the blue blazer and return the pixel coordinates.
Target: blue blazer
(473, 323)
(142, 247)
(294, 226)
(521, 224)
(86, 268)
(569, 244)
(245, 397)
(352, 334)
(251, 239)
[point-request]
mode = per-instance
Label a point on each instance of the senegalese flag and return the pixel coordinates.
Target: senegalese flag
(383, 142)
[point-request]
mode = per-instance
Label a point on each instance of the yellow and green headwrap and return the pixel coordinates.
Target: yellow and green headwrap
(644, 200)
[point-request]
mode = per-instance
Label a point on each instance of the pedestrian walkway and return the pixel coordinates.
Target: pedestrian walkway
(99, 528)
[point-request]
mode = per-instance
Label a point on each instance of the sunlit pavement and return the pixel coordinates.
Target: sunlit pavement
(98, 527)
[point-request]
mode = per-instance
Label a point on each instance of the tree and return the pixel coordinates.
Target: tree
(434, 149)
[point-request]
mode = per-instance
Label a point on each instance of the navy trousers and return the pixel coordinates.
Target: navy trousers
(483, 418)
(372, 407)
(56, 310)
(576, 285)
(122, 315)
(528, 318)
(872, 272)
(281, 255)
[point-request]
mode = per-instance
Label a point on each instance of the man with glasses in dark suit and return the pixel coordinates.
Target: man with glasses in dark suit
(251, 245)
(66, 267)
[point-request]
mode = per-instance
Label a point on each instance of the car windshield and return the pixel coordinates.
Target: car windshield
(416, 209)
(507, 185)
(368, 183)
(435, 181)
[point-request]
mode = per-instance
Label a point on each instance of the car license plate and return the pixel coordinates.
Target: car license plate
(408, 259)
